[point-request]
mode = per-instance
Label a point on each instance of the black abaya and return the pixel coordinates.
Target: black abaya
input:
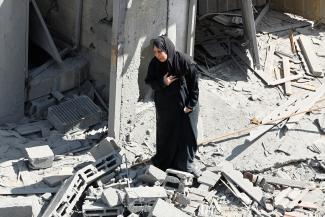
(176, 141)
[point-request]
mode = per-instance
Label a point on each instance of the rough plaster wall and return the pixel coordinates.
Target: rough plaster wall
(13, 64)
(144, 20)
(95, 36)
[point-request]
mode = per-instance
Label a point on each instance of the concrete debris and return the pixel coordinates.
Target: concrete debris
(90, 209)
(164, 209)
(72, 72)
(20, 206)
(111, 197)
(237, 177)
(58, 177)
(153, 175)
(75, 185)
(40, 157)
(78, 113)
(34, 127)
(142, 199)
(209, 178)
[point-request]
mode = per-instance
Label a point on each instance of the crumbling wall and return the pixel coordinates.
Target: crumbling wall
(13, 60)
(95, 32)
(311, 9)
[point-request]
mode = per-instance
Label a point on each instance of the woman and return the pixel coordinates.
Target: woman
(173, 77)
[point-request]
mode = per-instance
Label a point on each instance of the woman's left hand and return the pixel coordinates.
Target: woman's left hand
(187, 110)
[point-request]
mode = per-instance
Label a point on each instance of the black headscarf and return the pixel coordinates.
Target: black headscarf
(178, 62)
(165, 44)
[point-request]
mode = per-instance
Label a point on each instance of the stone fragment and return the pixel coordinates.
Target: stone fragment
(111, 197)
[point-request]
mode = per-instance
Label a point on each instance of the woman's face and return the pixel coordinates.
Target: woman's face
(160, 54)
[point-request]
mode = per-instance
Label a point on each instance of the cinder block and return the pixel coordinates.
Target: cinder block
(40, 157)
(111, 197)
(78, 113)
(96, 209)
(141, 199)
(163, 209)
(74, 187)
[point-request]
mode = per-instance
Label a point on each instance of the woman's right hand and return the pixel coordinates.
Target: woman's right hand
(168, 79)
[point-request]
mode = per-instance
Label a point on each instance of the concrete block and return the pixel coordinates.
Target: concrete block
(111, 197)
(152, 175)
(40, 157)
(38, 107)
(96, 209)
(209, 178)
(141, 199)
(72, 72)
(74, 187)
(104, 147)
(19, 207)
(163, 209)
(78, 113)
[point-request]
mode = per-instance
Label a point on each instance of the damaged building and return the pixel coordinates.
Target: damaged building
(78, 123)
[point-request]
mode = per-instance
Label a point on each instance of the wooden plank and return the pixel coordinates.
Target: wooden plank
(307, 50)
(292, 42)
(303, 86)
(268, 66)
(283, 80)
(262, 13)
(306, 104)
(286, 74)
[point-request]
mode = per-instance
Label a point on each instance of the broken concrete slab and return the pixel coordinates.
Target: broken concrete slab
(311, 58)
(209, 178)
(33, 127)
(142, 199)
(19, 206)
(237, 177)
(79, 113)
(163, 209)
(40, 157)
(58, 177)
(288, 182)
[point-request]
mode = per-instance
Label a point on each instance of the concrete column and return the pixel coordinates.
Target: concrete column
(135, 23)
(191, 27)
(13, 58)
(250, 31)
